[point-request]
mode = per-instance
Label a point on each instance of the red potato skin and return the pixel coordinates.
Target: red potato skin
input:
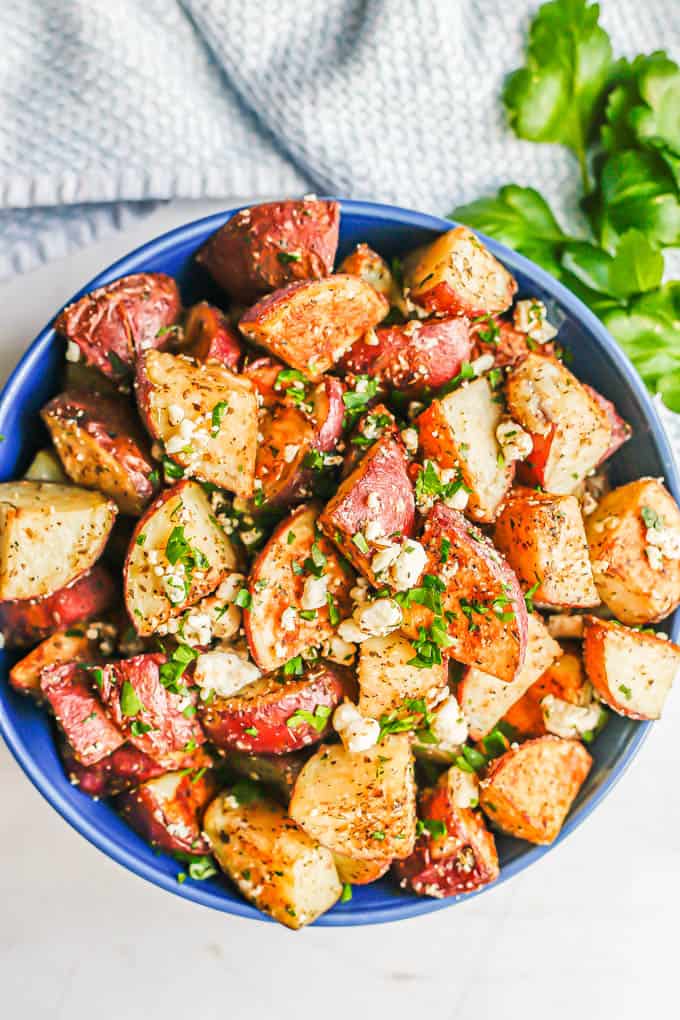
(382, 470)
(480, 647)
(112, 425)
(25, 622)
(621, 430)
(531, 472)
(355, 451)
(328, 413)
(415, 357)
(123, 768)
(170, 730)
(284, 482)
(121, 319)
(55, 650)
(209, 336)
(243, 255)
(175, 824)
(263, 373)
(463, 860)
(88, 730)
(266, 705)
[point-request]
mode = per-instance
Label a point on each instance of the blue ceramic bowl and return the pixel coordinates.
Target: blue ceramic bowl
(392, 231)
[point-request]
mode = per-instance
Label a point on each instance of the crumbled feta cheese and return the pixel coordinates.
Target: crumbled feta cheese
(252, 536)
(187, 428)
(666, 540)
(529, 317)
(226, 622)
(379, 618)
(385, 558)
(408, 565)
(2, 640)
(349, 631)
(289, 618)
(72, 351)
(290, 452)
(515, 443)
(197, 629)
(174, 588)
(449, 724)
(338, 650)
(224, 672)
(463, 788)
(567, 720)
(414, 409)
(374, 531)
(458, 500)
(359, 593)
(175, 444)
(482, 364)
(314, 593)
(361, 735)
(175, 414)
(371, 338)
(410, 439)
(345, 714)
(373, 501)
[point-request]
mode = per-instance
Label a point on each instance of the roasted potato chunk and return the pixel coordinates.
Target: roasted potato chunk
(482, 606)
(102, 447)
(372, 268)
(528, 791)
(634, 542)
(79, 712)
(311, 325)
(89, 643)
(113, 324)
(571, 432)
(456, 273)
(296, 564)
(543, 539)
(620, 429)
(632, 671)
(387, 677)
(45, 467)
(455, 853)
(167, 811)
(485, 699)
(360, 872)
(179, 534)
(268, 246)
(50, 534)
(121, 770)
(208, 336)
(362, 804)
(205, 416)
(276, 771)
(459, 432)
(565, 679)
(276, 865)
(282, 475)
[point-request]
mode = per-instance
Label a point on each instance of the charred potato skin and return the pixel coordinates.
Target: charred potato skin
(208, 336)
(528, 792)
(543, 539)
(265, 247)
(112, 324)
(311, 324)
(25, 622)
(262, 717)
(79, 713)
(616, 533)
(461, 861)
(167, 810)
(102, 447)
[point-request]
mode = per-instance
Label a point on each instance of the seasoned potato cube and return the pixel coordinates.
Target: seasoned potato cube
(482, 607)
(528, 791)
(49, 535)
(621, 430)
(205, 416)
(114, 323)
(167, 811)
(632, 671)
(571, 432)
(388, 678)
(282, 476)
(374, 502)
(45, 467)
(79, 712)
(267, 246)
(496, 336)
(459, 432)
(180, 535)
(485, 699)
(565, 680)
(456, 273)
(362, 804)
(102, 447)
(80, 644)
(372, 268)
(634, 540)
(286, 569)
(543, 539)
(276, 865)
(360, 872)
(311, 325)
(208, 336)
(121, 770)
(277, 771)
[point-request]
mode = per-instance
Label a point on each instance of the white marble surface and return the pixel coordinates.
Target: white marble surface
(590, 930)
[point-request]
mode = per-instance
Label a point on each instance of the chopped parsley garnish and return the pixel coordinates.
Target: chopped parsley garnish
(417, 719)
(429, 484)
(651, 518)
(470, 760)
(429, 643)
(171, 469)
(141, 539)
(290, 538)
(171, 672)
(626, 691)
(74, 632)
(432, 826)
(307, 614)
(346, 893)
(285, 257)
(333, 613)
(246, 791)
(445, 549)
(360, 542)
(139, 728)
(199, 868)
(117, 364)
(218, 412)
(529, 596)
(466, 372)
(252, 731)
(316, 561)
(179, 550)
(294, 666)
(378, 834)
(491, 333)
(129, 702)
(243, 598)
(317, 719)
(357, 400)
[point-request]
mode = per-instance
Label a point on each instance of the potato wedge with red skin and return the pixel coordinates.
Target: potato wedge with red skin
(310, 325)
(353, 872)
(26, 621)
(328, 411)
(413, 357)
(460, 861)
(529, 790)
(160, 726)
(50, 534)
(102, 446)
(621, 431)
(220, 450)
(631, 671)
(124, 768)
(277, 771)
(209, 336)
(370, 427)
(267, 246)
(378, 491)
(282, 475)
(65, 646)
(457, 274)
(168, 811)
(263, 373)
(458, 431)
(571, 432)
(79, 712)
(476, 576)
(113, 324)
(543, 539)
(564, 679)
(492, 334)
(147, 598)
(271, 644)
(636, 589)
(264, 716)
(372, 268)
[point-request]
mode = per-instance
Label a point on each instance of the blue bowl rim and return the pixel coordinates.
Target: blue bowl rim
(402, 907)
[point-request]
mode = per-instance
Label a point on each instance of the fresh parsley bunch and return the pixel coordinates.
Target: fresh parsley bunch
(622, 121)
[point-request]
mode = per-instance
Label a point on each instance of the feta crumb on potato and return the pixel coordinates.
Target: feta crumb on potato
(72, 351)
(356, 732)
(515, 443)
(449, 724)
(569, 721)
(530, 317)
(224, 672)
(314, 593)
